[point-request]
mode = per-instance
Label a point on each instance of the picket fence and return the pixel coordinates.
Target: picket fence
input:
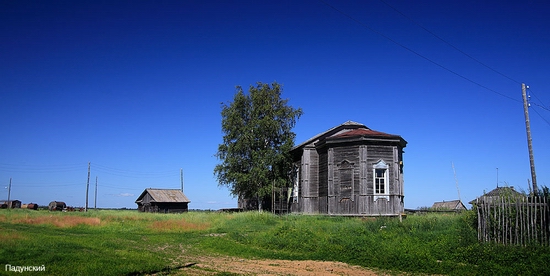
(514, 220)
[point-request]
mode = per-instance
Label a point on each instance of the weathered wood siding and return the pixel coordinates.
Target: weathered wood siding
(345, 179)
(336, 174)
(310, 181)
(323, 181)
(350, 180)
(147, 199)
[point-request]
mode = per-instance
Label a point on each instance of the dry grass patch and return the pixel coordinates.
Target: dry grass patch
(58, 221)
(9, 237)
(178, 226)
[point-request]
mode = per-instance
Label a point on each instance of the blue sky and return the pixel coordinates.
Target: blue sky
(135, 88)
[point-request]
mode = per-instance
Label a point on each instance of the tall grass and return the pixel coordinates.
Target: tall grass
(96, 242)
(128, 242)
(432, 244)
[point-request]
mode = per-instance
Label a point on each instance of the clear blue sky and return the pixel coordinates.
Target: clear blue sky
(135, 88)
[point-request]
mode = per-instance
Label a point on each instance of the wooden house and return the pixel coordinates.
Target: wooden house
(162, 201)
(349, 169)
(453, 205)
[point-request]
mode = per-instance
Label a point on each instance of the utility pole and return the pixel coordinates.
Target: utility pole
(497, 177)
(529, 140)
(9, 192)
(181, 179)
(456, 181)
(87, 188)
(95, 197)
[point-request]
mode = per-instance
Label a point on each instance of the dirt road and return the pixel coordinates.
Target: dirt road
(215, 265)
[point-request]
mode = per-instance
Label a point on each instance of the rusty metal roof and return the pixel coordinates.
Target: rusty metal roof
(364, 132)
(350, 130)
(164, 195)
(336, 129)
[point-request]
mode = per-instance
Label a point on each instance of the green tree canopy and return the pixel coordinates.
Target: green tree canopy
(258, 137)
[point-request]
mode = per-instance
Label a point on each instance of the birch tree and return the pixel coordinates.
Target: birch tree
(257, 139)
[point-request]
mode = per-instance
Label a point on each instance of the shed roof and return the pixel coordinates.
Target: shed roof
(450, 205)
(503, 191)
(507, 192)
(164, 195)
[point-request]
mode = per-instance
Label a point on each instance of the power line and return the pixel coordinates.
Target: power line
(418, 54)
(119, 188)
(547, 122)
(134, 174)
(539, 105)
(451, 45)
(40, 168)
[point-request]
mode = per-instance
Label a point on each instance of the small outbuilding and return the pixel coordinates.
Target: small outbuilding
(57, 206)
(453, 205)
(163, 201)
(10, 204)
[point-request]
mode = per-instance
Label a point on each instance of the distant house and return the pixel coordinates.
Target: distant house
(5, 204)
(453, 205)
(349, 169)
(496, 194)
(162, 201)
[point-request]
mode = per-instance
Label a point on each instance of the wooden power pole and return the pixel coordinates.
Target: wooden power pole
(87, 188)
(95, 196)
(9, 192)
(529, 140)
(181, 179)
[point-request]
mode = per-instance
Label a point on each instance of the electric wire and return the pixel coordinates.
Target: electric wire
(539, 105)
(95, 168)
(467, 55)
(448, 43)
(41, 168)
(417, 53)
(133, 174)
(547, 122)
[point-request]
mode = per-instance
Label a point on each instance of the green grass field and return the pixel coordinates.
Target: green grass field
(111, 242)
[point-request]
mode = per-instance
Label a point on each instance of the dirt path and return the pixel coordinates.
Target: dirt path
(215, 265)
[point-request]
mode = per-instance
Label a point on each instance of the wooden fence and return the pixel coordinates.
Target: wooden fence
(514, 220)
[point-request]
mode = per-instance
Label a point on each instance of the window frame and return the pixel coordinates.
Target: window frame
(380, 165)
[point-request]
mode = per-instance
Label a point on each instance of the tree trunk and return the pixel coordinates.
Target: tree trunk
(259, 204)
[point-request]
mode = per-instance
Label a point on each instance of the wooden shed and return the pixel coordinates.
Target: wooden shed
(453, 205)
(5, 204)
(57, 206)
(349, 169)
(162, 201)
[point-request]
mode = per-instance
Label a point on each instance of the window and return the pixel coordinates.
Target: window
(380, 180)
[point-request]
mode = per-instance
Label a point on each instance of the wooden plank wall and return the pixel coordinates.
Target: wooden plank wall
(323, 173)
(310, 181)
